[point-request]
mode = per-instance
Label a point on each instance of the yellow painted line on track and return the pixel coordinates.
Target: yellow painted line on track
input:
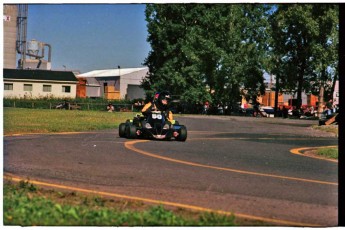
(130, 145)
(298, 151)
(160, 202)
(249, 138)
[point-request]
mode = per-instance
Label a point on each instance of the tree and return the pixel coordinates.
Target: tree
(171, 62)
(304, 45)
(253, 48)
(325, 51)
(206, 51)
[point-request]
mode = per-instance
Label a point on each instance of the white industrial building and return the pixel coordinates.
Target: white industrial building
(113, 83)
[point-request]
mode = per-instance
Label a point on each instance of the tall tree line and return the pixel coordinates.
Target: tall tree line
(305, 44)
(219, 52)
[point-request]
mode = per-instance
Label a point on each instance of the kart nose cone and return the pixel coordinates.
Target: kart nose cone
(175, 134)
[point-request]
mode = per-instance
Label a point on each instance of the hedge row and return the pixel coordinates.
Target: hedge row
(81, 103)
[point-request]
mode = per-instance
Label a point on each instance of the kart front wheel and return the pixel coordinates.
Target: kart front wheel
(122, 130)
(131, 131)
(182, 134)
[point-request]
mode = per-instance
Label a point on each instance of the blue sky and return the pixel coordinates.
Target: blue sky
(86, 37)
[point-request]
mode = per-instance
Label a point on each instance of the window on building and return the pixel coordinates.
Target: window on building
(47, 88)
(27, 87)
(8, 86)
(66, 88)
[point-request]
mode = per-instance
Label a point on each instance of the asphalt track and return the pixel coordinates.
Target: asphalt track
(251, 167)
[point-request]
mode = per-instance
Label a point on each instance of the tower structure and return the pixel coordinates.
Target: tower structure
(10, 32)
(21, 33)
(16, 46)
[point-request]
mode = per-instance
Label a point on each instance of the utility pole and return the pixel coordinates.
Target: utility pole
(21, 33)
(270, 93)
(321, 100)
(276, 96)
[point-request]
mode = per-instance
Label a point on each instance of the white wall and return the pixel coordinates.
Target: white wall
(134, 78)
(93, 91)
(134, 92)
(37, 90)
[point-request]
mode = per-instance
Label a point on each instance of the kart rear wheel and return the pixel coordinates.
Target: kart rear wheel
(131, 131)
(182, 133)
(122, 130)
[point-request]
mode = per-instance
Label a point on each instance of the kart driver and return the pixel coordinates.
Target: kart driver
(161, 102)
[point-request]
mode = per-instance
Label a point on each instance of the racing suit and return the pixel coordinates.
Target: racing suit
(152, 107)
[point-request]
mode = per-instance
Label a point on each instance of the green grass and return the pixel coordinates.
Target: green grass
(21, 121)
(327, 128)
(26, 205)
(328, 152)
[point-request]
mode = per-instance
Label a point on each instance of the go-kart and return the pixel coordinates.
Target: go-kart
(154, 126)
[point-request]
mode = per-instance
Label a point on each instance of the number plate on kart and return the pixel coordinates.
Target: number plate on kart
(157, 116)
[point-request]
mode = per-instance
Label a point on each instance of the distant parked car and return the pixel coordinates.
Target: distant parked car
(268, 110)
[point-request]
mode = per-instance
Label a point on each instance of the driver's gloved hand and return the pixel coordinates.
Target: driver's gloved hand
(147, 113)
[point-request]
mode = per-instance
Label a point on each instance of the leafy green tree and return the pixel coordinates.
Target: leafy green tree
(304, 44)
(253, 49)
(171, 62)
(206, 51)
(325, 51)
